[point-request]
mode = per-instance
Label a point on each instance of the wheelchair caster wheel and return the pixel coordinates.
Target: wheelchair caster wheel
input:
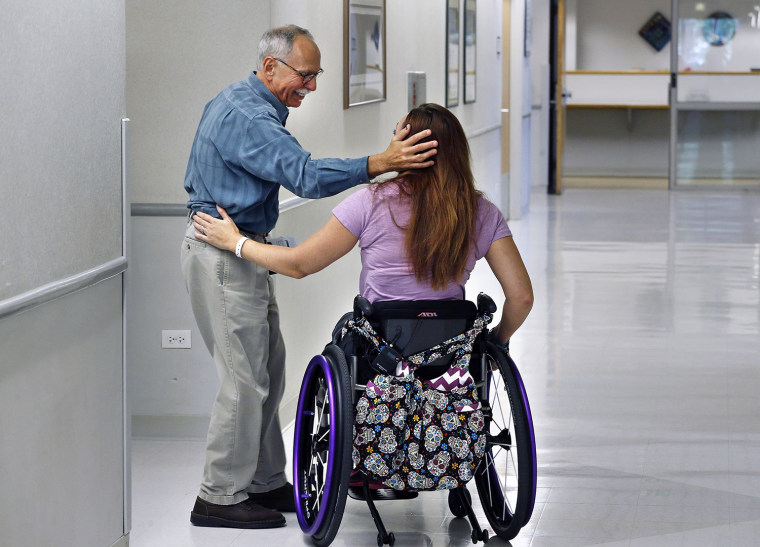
(481, 535)
(390, 540)
(455, 505)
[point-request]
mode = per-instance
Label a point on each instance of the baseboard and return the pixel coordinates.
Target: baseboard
(615, 182)
(123, 541)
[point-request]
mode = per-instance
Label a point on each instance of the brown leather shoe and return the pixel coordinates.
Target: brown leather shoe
(245, 514)
(280, 499)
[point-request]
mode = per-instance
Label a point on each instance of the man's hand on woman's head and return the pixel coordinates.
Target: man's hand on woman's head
(221, 233)
(404, 152)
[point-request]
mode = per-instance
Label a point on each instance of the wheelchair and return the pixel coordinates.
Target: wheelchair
(324, 453)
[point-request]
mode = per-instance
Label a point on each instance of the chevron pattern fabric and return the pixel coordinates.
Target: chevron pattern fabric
(452, 378)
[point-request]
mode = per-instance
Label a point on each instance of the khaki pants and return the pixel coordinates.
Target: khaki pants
(236, 311)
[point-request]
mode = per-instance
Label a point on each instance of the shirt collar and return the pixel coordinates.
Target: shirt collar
(263, 91)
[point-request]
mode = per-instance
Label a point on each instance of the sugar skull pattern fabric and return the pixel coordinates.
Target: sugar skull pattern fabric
(413, 434)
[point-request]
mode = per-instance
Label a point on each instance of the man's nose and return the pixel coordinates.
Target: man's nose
(312, 85)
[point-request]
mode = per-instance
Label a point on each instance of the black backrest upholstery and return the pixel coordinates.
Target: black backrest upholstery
(415, 325)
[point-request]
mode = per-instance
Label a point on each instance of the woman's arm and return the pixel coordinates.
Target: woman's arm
(508, 267)
(321, 249)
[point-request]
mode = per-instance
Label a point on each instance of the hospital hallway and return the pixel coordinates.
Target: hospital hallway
(640, 360)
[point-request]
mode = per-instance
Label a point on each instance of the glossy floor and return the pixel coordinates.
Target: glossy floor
(642, 362)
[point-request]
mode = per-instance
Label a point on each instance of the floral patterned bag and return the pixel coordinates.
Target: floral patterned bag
(415, 434)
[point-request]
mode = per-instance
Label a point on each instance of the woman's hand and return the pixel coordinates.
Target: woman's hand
(221, 233)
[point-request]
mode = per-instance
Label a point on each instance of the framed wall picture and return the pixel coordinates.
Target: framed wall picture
(470, 67)
(452, 53)
(364, 78)
(656, 31)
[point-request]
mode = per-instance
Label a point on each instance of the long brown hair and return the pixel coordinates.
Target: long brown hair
(443, 200)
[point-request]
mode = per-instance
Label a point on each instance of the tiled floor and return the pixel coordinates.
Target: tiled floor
(642, 362)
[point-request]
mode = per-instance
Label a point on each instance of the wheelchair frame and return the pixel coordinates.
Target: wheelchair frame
(505, 478)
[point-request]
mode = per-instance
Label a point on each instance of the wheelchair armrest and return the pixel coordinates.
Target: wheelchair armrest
(362, 307)
(486, 304)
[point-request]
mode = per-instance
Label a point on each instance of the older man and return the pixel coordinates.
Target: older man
(240, 157)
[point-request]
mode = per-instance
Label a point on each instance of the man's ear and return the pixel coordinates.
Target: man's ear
(267, 66)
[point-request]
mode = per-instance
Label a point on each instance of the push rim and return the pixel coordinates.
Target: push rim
(506, 478)
(315, 441)
(499, 472)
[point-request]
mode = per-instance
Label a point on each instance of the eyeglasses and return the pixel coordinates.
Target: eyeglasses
(306, 76)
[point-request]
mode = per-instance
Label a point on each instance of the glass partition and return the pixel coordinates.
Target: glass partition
(715, 97)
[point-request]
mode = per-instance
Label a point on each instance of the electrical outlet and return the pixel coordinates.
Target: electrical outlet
(175, 339)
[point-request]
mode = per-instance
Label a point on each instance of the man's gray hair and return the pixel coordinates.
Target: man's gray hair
(278, 42)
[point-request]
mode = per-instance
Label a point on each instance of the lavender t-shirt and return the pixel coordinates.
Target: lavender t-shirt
(386, 273)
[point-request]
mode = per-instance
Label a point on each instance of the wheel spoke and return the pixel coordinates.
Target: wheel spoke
(319, 436)
(321, 431)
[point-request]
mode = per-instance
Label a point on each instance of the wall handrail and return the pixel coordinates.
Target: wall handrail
(62, 287)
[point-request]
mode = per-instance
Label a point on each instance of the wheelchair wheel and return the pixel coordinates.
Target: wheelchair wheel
(322, 446)
(455, 504)
(506, 478)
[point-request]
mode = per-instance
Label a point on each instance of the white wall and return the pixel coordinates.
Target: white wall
(62, 91)
(61, 422)
(616, 143)
(608, 39)
(179, 56)
(540, 92)
(62, 434)
(171, 75)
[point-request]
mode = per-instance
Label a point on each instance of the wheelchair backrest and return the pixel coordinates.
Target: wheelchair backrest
(415, 325)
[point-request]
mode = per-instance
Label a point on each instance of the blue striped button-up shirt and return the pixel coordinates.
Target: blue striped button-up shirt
(242, 154)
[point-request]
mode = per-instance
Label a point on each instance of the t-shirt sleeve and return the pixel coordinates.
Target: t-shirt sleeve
(493, 226)
(353, 212)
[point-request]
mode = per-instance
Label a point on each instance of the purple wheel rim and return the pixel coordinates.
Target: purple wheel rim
(497, 496)
(317, 362)
(492, 473)
(529, 417)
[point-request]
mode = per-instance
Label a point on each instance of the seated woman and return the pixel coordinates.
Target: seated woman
(420, 233)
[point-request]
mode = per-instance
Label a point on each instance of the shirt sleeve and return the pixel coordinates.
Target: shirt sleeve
(492, 226)
(353, 212)
(271, 153)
